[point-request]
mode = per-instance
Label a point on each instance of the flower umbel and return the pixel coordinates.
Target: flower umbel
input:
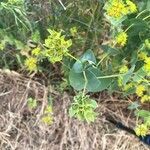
(116, 9)
(141, 130)
(123, 69)
(36, 51)
(140, 90)
(145, 98)
(142, 55)
(56, 45)
(121, 38)
(131, 6)
(31, 63)
(119, 8)
(48, 118)
(147, 65)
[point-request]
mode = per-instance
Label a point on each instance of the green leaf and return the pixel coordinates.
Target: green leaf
(93, 103)
(128, 75)
(134, 105)
(88, 56)
(142, 113)
(139, 75)
(72, 112)
(90, 116)
(94, 84)
(32, 103)
(76, 80)
(109, 50)
(78, 67)
(147, 121)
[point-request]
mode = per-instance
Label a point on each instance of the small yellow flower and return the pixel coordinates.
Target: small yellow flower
(131, 6)
(147, 65)
(31, 63)
(140, 90)
(123, 69)
(147, 43)
(147, 60)
(36, 51)
(73, 31)
(1, 46)
(47, 119)
(57, 46)
(120, 81)
(48, 109)
(141, 130)
(121, 38)
(142, 55)
(145, 98)
(116, 9)
(147, 68)
(128, 86)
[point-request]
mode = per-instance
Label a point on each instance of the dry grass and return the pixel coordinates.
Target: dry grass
(22, 129)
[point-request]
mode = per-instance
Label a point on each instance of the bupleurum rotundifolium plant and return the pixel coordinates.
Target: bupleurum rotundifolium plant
(133, 71)
(54, 49)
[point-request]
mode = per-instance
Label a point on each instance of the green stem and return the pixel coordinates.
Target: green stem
(101, 60)
(110, 76)
(141, 13)
(73, 57)
(146, 17)
(86, 81)
(128, 27)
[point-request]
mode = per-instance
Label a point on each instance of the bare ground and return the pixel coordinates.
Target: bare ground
(22, 129)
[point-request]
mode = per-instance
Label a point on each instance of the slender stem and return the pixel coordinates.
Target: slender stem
(146, 17)
(101, 60)
(141, 13)
(137, 17)
(110, 76)
(62, 4)
(73, 57)
(86, 81)
(128, 27)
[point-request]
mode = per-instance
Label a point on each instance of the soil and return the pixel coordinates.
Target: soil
(22, 129)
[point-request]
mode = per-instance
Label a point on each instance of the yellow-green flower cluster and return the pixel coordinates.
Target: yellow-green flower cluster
(128, 86)
(143, 56)
(131, 7)
(119, 8)
(121, 39)
(147, 65)
(73, 31)
(145, 98)
(48, 118)
(140, 89)
(56, 46)
(36, 51)
(122, 70)
(31, 64)
(147, 43)
(141, 130)
(1, 46)
(32, 61)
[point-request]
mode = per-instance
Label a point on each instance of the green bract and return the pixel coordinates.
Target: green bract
(83, 108)
(85, 73)
(56, 46)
